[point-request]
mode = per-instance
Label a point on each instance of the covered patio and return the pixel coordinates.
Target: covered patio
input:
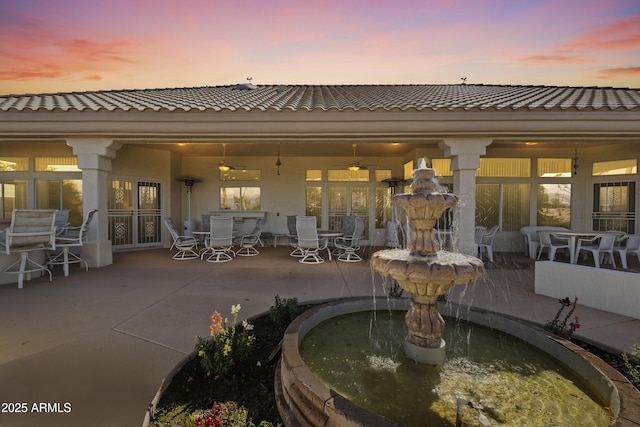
(510, 152)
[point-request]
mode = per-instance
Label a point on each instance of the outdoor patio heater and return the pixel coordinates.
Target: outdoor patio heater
(189, 225)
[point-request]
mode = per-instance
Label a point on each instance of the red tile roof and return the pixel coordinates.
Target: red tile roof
(333, 97)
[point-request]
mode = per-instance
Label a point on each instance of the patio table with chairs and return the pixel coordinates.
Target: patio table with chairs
(574, 237)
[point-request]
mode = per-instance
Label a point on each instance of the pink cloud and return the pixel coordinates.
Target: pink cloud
(612, 73)
(621, 35)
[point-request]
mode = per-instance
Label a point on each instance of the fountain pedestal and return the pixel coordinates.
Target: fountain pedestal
(424, 270)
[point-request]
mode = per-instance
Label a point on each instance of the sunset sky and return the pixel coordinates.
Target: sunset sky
(82, 45)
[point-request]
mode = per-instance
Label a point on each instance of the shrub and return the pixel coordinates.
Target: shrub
(284, 311)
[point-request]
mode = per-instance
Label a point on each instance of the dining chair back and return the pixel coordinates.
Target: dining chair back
(308, 242)
(220, 241)
(30, 230)
(627, 245)
(599, 247)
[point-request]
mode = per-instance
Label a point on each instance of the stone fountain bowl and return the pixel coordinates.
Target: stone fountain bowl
(304, 400)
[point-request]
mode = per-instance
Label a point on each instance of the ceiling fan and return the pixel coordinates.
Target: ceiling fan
(224, 165)
(355, 165)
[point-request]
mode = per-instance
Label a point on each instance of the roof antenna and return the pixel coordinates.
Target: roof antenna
(464, 80)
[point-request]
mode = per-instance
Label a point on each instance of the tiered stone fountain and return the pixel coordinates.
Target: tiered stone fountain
(426, 272)
(423, 269)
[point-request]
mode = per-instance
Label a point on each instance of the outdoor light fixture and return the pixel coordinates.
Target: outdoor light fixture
(224, 166)
(278, 162)
(354, 168)
(575, 161)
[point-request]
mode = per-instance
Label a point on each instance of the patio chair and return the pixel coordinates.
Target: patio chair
(308, 242)
(220, 242)
(62, 221)
(293, 236)
(30, 230)
(627, 245)
(186, 245)
(74, 237)
(348, 246)
(485, 242)
(552, 243)
(598, 246)
(248, 242)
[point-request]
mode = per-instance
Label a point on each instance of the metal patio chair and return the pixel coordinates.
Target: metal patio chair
(74, 237)
(348, 246)
(220, 242)
(308, 242)
(186, 245)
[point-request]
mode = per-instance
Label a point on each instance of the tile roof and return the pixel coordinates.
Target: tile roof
(333, 97)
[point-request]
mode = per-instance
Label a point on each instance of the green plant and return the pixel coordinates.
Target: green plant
(284, 311)
(559, 327)
(633, 365)
(227, 347)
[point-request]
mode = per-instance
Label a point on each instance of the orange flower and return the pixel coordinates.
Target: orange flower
(216, 323)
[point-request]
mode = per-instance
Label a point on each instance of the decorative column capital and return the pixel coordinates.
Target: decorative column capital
(94, 153)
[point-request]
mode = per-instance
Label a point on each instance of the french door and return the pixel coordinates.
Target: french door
(135, 216)
(348, 200)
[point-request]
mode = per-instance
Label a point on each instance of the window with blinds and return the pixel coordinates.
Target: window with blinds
(57, 164)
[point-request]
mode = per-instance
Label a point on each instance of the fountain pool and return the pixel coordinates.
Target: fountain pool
(306, 398)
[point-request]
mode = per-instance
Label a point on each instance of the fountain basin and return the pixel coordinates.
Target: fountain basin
(304, 400)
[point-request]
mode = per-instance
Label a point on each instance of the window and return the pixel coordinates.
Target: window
(504, 167)
(615, 167)
(314, 203)
(313, 175)
(442, 167)
(57, 164)
(383, 206)
(14, 164)
(382, 174)
(61, 194)
(241, 175)
(240, 198)
(504, 204)
(408, 170)
(347, 175)
(554, 168)
(13, 195)
(554, 205)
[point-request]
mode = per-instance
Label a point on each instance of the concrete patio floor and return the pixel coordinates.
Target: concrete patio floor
(94, 347)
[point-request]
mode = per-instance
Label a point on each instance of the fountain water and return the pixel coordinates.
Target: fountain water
(424, 270)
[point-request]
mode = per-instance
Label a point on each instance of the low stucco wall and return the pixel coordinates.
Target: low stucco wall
(609, 290)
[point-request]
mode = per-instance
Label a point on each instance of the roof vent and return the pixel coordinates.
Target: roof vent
(247, 85)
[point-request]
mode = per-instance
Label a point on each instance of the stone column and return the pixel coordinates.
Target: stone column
(94, 158)
(465, 160)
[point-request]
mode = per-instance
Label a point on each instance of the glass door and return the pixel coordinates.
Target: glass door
(347, 200)
(134, 214)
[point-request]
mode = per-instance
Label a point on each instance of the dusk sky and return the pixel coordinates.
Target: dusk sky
(85, 45)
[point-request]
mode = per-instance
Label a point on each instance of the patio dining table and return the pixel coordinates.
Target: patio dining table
(573, 236)
(329, 234)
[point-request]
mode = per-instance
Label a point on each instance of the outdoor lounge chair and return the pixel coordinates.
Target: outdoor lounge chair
(186, 245)
(30, 230)
(220, 242)
(293, 236)
(74, 237)
(308, 242)
(348, 246)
